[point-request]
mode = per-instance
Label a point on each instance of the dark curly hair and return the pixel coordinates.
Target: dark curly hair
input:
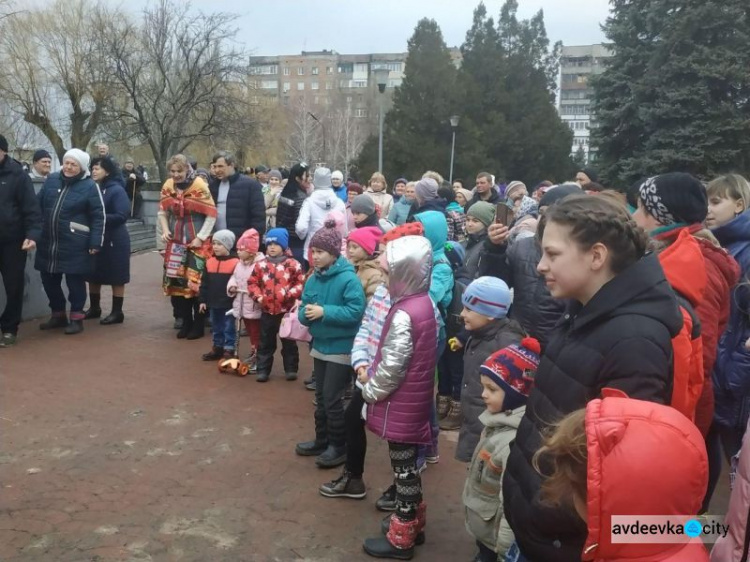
(593, 220)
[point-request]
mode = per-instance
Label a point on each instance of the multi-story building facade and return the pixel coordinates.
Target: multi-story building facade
(577, 65)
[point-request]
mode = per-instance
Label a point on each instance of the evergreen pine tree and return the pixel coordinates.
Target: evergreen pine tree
(676, 94)
(417, 131)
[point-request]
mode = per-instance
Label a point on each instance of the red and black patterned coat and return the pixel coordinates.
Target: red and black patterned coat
(279, 285)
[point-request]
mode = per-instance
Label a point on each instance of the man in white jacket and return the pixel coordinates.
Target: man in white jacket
(314, 210)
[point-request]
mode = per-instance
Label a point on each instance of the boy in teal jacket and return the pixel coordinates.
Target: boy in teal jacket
(333, 303)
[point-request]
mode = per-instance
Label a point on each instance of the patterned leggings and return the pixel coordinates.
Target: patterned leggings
(407, 479)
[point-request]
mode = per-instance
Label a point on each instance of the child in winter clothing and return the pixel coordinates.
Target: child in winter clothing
(454, 215)
(593, 457)
(365, 213)
(276, 284)
(352, 191)
(486, 302)
(478, 219)
(214, 297)
(333, 303)
(507, 377)
(377, 193)
(244, 306)
(362, 252)
(398, 389)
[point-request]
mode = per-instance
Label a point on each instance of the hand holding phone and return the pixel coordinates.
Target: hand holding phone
(504, 214)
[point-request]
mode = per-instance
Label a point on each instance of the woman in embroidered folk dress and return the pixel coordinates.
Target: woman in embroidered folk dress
(187, 214)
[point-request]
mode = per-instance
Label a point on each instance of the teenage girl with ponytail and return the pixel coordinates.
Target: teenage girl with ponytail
(616, 333)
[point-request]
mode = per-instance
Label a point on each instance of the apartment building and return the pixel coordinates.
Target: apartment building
(577, 65)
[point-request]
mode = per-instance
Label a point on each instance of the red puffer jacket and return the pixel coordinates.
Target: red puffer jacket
(722, 273)
(684, 268)
(643, 459)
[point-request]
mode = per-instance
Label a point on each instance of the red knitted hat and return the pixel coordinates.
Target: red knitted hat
(415, 228)
(367, 238)
(513, 369)
(249, 241)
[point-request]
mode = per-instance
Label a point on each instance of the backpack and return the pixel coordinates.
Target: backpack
(687, 361)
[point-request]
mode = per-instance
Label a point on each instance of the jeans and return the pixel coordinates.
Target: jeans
(718, 438)
(269, 332)
(451, 373)
(12, 266)
(223, 328)
(331, 379)
(52, 283)
(356, 436)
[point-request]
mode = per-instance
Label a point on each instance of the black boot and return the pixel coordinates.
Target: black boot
(216, 353)
(75, 327)
(398, 544)
(95, 309)
(332, 457)
(184, 308)
(310, 448)
(198, 329)
(57, 320)
(116, 316)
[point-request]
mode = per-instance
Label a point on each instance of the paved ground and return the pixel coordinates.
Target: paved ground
(120, 444)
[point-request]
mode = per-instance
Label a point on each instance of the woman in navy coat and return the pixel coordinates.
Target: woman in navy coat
(113, 262)
(72, 234)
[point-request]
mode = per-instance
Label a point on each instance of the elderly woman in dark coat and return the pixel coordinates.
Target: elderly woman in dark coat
(72, 234)
(113, 262)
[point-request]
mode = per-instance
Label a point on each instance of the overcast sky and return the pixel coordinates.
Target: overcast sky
(276, 27)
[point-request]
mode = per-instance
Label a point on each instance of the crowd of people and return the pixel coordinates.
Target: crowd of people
(590, 346)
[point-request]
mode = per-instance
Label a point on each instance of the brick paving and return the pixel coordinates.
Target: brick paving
(121, 445)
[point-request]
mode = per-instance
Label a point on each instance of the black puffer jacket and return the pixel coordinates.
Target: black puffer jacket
(290, 204)
(246, 207)
(620, 339)
(533, 306)
(481, 344)
(20, 215)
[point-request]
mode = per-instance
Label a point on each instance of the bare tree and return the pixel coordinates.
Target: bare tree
(52, 70)
(347, 135)
(178, 72)
(305, 142)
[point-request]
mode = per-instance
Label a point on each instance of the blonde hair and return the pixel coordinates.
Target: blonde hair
(377, 176)
(730, 186)
(564, 452)
(435, 176)
(179, 160)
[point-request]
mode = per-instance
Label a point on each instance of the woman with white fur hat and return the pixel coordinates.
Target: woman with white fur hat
(72, 234)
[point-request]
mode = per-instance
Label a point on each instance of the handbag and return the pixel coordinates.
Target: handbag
(292, 329)
(175, 259)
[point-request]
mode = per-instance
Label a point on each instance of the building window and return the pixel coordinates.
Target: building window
(269, 84)
(315, 71)
(287, 87)
(329, 70)
(300, 71)
(287, 71)
(264, 69)
(346, 68)
(359, 83)
(329, 85)
(360, 112)
(394, 66)
(314, 86)
(300, 86)
(394, 82)
(348, 99)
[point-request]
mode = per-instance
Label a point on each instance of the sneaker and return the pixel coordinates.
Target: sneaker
(8, 340)
(387, 502)
(213, 355)
(432, 459)
(309, 381)
(291, 376)
(344, 487)
(262, 377)
(311, 386)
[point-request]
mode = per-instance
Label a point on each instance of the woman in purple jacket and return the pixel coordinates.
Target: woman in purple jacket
(399, 389)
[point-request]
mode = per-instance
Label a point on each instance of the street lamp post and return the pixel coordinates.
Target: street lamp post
(323, 128)
(454, 125)
(381, 79)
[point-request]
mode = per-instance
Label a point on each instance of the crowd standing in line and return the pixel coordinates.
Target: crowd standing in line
(570, 328)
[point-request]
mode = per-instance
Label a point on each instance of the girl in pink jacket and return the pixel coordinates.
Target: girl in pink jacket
(244, 306)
